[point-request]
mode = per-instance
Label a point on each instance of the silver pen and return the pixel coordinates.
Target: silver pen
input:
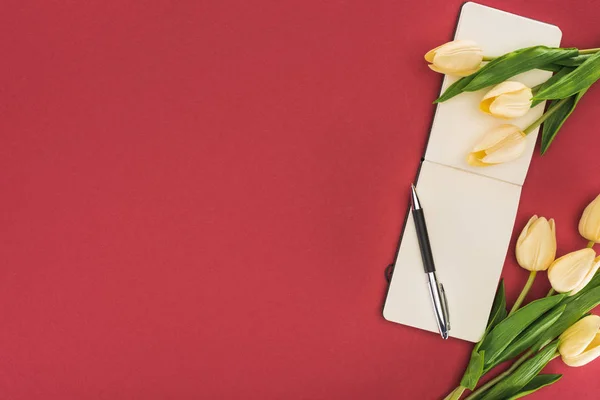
(436, 289)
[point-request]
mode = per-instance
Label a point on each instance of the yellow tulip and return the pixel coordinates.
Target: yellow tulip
(536, 246)
(580, 343)
(589, 224)
(507, 100)
(502, 144)
(571, 272)
(459, 57)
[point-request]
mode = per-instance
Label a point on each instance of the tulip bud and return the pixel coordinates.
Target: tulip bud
(507, 100)
(589, 224)
(571, 272)
(501, 144)
(580, 343)
(460, 57)
(536, 246)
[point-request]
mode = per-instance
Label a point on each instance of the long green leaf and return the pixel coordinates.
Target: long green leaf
(506, 331)
(456, 88)
(498, 312)
(558, 75)
(551, 67)
(517, 62)
(516, 381)
(529, 336)
(540, 381)
(583, 77)
(474, 369)
(556, 120)
(577, 306)
(574, 61)
(506, 66)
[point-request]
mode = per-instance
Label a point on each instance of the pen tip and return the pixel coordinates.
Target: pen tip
(444, 335)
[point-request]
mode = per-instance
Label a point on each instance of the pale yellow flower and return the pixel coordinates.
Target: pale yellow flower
(499, 145)
(571, 272)
(536, 246)
(507, 100)
(589, 224)
(580, 343)
(459, 57)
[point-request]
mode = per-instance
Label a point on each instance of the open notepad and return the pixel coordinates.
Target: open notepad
(470, 211)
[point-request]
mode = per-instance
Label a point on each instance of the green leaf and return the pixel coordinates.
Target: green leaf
(474, 370)
(523, 375)
(558, 75)
(456, 88)
(583, 77)
(574, 61)
(540, 381)
(506, 331)
(556, 120)
(506, 66)
(577, 307)
(517, 62)
(551, 67)
(498, 312)
(530, 335)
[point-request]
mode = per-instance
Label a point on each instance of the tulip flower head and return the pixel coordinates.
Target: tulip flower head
(501, 144)
(459, 58)
(589, 224)
(580, 343)
(536, 246)
(571, 272)
(507, 100)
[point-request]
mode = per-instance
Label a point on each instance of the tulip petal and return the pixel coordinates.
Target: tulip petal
(569, 271)
(509, 150)
(536, 246)
(449, 72)
(504, 88)
(431, 54)
(474, 159)
(526, 229)
(591, 352)
(589, 224)
(576, 339)
(587, 278)
(459, 57)
(495, 136)
(512, 105)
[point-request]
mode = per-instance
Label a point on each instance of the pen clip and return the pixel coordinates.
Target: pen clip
(445, 309)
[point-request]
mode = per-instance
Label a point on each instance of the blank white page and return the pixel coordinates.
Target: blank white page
(470, 211)
(469, 239)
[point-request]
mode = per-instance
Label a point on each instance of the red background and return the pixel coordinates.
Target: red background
(199, 198)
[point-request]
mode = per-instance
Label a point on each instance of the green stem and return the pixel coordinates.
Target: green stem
(524, 292)
(540, 120)
(456, 393)
(591, 244)
(497, 379)
(551, 292)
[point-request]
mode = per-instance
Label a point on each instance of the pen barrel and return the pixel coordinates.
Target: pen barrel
(423, 237)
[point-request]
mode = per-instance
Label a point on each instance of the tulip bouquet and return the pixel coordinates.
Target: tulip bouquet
(575, 71)
(558, 325)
